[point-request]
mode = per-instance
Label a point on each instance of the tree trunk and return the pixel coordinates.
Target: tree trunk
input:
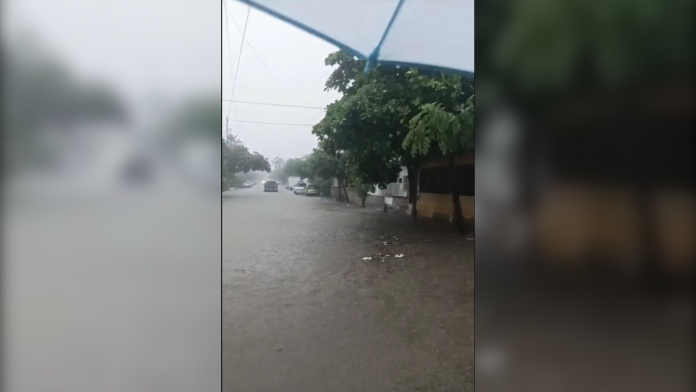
(413, 192)
(384, 205)
(651, 267)
(364, 197)
(340, 196)
(341, 183)
(458, 218)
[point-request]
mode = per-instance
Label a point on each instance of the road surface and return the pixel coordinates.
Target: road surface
(303, 312)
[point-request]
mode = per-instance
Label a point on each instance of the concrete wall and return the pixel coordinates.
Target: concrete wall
(403, 174)
(439, 206)
(398, 202)
(372, 200)
(578, 221)
(430, 205)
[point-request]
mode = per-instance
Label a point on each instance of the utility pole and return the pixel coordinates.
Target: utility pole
(227, 129)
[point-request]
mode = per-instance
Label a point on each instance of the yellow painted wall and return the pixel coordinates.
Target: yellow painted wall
(429, 203)
(577, 221)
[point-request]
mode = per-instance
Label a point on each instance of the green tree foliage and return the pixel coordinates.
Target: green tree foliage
(238, 159)
(449, 130)
(324, 167)
(370, 123)
(551, 47)
(41, 97)
(366, 126)
(226, 175)
(362, 188)
(293, 167)
(199, 117)
(304, 169)
(452, 131)
(445, 118)
(278, 163)
(233, 139)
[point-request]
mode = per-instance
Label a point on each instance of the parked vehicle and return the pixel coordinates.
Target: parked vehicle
(292, 181)
(299, 188)
(270, 186)
(312, 190)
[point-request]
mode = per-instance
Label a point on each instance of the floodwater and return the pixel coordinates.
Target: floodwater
(303, 311)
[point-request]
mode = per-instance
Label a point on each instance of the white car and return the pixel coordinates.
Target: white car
(299, 189)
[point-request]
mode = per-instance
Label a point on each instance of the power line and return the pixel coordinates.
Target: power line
(229, 51)
(275, 104)
(271, 123)
(239, 60)
(257, 55)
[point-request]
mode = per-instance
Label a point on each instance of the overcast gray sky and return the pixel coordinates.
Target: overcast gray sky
(173, 57)
(296, 61)
(180, 56)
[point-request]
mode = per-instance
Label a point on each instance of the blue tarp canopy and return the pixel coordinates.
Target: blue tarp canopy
(436, 34)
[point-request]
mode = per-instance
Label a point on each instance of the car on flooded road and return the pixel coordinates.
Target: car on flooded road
(299, 188)
(312, 190)
(270, 186)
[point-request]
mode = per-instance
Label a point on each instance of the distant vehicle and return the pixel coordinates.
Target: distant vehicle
(270, 186)
(299, 188)
(292, 181)
(245, 184)
(312, 190)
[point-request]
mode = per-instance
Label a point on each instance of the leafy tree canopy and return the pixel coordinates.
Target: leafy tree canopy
(237, 159)
(374, 117)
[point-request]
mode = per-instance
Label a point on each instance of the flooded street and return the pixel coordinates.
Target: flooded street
(302, 310)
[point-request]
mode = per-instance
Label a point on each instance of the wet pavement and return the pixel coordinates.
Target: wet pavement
(302, 310)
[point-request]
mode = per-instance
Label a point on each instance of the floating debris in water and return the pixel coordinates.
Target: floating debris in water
(367, 258)
(399, 255)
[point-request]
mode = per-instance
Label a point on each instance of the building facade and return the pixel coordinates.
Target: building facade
(434, 196)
